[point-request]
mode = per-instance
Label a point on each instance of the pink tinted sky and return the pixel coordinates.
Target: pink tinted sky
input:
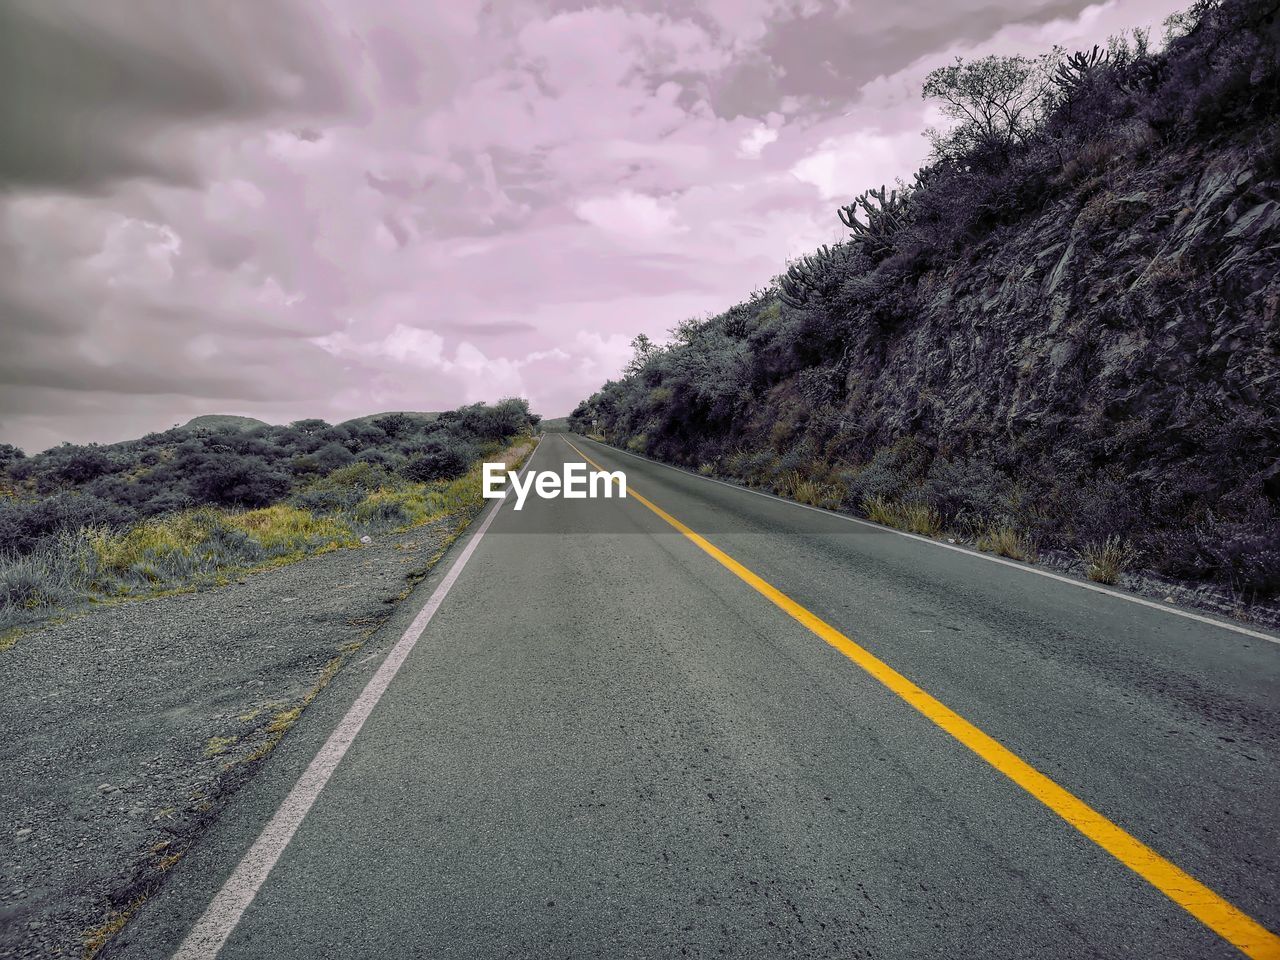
(332, 209)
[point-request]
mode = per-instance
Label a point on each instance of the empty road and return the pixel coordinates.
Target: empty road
(703, 722)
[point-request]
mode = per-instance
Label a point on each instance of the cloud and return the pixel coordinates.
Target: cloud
(300, 209)
(630, 214)
(90, 92)
(753, 144)
(866, 157)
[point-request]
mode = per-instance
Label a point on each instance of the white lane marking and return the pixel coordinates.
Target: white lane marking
(229, 904)
(968, 553)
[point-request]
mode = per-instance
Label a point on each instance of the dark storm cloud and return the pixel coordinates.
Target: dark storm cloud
(90, 91)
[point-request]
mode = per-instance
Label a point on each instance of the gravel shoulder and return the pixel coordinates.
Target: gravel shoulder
(130, 725)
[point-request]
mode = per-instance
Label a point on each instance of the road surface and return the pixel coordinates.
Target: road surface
(612, 740)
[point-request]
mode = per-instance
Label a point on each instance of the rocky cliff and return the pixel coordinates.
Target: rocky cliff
(1071, 348)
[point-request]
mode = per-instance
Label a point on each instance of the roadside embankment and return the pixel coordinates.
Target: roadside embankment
(131, 723)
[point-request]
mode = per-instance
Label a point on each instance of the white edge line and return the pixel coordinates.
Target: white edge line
(950, 546)
(211, 931)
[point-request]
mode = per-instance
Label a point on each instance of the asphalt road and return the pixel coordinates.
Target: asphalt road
(607, 743)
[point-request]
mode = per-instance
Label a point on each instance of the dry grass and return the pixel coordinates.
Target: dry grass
(10, 637)
(913, 517)
(1105, 561)
(286, 531)
(97, 937)
(815, 493)
(1007, 541)
(218, 745)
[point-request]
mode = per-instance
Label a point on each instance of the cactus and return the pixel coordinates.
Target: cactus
(806, 276)
(1142, 76)
(886, 214)
(1074, 72)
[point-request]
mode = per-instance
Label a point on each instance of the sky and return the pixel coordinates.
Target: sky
(328, 209)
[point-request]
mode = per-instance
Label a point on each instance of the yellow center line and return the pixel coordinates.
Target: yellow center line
(1232, 924)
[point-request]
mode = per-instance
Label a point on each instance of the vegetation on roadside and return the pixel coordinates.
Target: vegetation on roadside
(1059, 338)
(182, 509)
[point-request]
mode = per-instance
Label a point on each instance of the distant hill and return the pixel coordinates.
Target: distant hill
(222, 421)
(556, 425)
(424, 416)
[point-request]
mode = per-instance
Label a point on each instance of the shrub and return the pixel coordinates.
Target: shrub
(56, 573)
(968, 491)
(1106, 560)
(892, 473)
(439, 459)
(79, 465)
(382, 511)
(9, 454)
(396, 425)
(24, 525)
(1007, 541)
(506, 418)
(229, 480)
(324, 460)
(378, 457)
(326, 499)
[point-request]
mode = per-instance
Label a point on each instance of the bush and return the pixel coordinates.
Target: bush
(55, 573)
(326, 500)
(1106, 560)
(396, 425)
(969, 492)
(505, 419)
(234, 481)
(81, 464)
(324, 460)
(439, 459)
(892, 474)
(9, 454)
(26, 525)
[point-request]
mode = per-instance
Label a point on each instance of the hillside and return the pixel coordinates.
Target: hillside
(422, 417)
(1061, 338)
(223, 421)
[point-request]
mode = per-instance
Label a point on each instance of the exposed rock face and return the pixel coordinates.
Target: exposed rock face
(1130, 327)
(1127, 320)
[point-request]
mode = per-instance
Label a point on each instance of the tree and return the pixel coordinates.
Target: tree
(997, 103)
(642, 349)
